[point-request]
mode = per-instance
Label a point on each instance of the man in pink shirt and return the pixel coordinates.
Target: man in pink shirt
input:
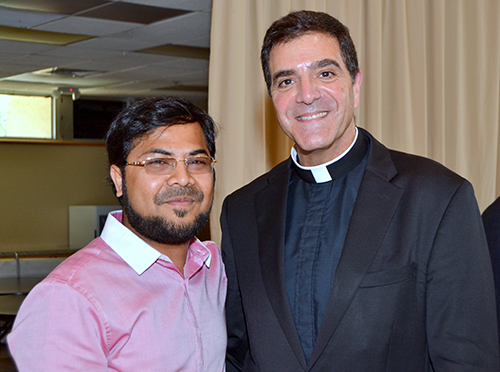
(146, 295)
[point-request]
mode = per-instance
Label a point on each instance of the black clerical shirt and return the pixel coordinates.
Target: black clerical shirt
(317, 219)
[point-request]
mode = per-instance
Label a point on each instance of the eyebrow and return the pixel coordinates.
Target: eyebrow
(325, 63)
(169, 153)
(282, 73)
(315, 65)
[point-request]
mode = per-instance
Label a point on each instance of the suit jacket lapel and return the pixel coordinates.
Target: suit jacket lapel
(375, 206)
(270, 207)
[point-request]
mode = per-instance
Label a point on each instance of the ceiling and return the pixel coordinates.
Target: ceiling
(105, 48)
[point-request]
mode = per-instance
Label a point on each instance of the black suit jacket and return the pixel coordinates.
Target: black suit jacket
(491, 220)
(413, 290)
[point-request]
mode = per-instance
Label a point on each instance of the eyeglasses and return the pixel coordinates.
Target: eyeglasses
(164, 166)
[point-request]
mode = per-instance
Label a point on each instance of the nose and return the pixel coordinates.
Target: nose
(308, 91)
(180, 176)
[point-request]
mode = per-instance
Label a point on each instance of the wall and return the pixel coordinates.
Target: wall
(38, 182)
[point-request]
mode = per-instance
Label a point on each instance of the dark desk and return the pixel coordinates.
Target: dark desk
(9, 305)
(18, 286)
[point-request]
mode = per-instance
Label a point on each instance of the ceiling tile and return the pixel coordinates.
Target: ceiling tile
(46, 61)
(118, 70)
(108, 64)
(82, 54)
(18, 18)
(87, 26)
(172, 31)
(185, 64)
(4, 57)
(178, 51)
(23, 47)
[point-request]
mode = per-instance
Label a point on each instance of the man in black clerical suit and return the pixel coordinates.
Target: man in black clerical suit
(350, 257)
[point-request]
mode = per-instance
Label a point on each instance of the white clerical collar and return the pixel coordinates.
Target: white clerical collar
(320, 172)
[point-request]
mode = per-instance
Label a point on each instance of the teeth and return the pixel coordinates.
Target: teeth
(320, 115)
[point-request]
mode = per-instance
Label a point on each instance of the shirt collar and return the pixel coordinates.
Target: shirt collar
(136, 252)
(335, 168)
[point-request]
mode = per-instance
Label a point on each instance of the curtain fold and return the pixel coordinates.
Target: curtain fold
(431, 85)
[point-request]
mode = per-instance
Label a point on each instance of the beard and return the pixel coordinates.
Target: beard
(160, 229)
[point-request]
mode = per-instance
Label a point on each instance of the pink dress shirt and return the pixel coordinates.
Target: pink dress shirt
(119, 305)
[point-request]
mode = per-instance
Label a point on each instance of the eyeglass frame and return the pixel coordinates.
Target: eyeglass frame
(144, 162)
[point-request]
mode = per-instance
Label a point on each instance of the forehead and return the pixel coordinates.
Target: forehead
(307, 48)
(174, 139)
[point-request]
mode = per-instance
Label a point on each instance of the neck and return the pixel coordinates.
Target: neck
(338, 149)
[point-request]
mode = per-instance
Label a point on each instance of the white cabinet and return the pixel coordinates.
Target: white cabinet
(86, 223)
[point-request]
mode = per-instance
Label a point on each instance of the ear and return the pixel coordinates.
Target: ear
(117, 177)
(357, 87)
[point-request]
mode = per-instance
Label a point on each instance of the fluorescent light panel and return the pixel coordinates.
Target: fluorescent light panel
(53, 6)
(40, 37)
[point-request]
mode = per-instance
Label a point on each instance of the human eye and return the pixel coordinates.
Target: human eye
(326, 74)
(285, 83)
(156, 164)
(198, 164)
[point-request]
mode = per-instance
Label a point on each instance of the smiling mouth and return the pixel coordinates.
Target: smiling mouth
(315, 116)
(181, 201)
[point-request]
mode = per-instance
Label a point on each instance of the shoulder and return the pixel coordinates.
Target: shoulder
(431, 186)
(424, 170)
(89, 265)
(70, 286)
(409, 170)
(425, 183)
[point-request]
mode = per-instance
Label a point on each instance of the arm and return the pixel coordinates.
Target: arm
(461, 319)
(58, 329)
(237, 346)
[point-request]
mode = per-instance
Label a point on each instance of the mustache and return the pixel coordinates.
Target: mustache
(174, 192)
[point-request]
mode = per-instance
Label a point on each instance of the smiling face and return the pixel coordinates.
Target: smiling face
(166, 209)
(314, 96)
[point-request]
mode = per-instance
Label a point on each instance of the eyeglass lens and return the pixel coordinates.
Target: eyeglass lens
(195, 165)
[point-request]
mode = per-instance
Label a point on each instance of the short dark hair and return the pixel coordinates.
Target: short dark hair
(296, 24)
(144, 116)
